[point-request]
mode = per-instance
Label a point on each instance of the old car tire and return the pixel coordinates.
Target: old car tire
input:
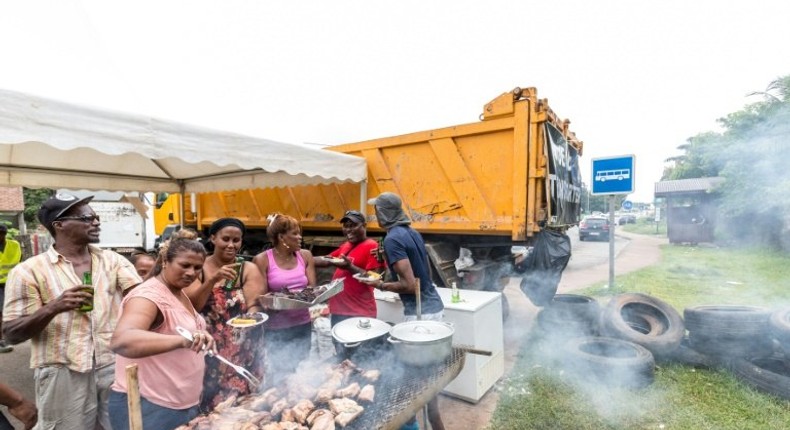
(686, 355)
(727, 320)
(779, 323)
(769, 374)
(608, 361)
(570, 314)
(625, 314)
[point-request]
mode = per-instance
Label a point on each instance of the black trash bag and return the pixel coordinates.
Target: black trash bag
(544, 265)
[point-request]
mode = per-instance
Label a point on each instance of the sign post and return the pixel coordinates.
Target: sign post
(613, 176)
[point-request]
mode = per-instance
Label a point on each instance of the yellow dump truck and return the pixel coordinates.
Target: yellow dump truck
(490, 187)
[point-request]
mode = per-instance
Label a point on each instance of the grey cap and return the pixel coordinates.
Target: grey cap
(386, 201)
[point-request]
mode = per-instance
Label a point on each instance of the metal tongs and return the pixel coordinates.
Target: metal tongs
(244, 373)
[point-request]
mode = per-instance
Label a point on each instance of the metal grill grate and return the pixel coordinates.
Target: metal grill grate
(403, 391)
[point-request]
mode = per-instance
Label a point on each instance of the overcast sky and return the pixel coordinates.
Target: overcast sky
(633, 77)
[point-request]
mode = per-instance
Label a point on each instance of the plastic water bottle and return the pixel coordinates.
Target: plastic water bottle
(456, 294)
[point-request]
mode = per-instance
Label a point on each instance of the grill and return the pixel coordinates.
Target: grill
(402, 391)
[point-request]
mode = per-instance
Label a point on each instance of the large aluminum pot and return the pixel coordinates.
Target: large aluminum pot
(421, 343)
(354, 331)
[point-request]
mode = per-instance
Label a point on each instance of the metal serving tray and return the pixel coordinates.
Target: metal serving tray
(272, 301)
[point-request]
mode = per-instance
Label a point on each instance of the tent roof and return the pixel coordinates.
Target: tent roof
(47, 143)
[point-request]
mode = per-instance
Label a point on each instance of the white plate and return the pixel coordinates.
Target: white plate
(264, 317)
(334, 260)
(364, 278)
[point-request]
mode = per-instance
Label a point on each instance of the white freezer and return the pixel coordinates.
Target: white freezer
(478, 324)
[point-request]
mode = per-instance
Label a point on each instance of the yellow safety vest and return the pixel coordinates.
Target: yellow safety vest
(9, 258)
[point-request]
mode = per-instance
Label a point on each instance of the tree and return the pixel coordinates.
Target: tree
(33, 198)
(750, 153)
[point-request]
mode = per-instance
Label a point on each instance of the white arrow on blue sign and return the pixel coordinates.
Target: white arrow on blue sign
(613, 175)
(627, 205)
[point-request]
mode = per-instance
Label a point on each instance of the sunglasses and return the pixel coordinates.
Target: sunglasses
(88, 219)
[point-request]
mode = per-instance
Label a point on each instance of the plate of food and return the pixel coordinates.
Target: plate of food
(368, 276)
(304, 298)
(248, 320)
(334, 260)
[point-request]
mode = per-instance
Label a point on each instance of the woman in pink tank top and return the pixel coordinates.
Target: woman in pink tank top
(286, 267)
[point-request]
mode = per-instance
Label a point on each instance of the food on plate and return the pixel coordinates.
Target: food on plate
(373, 276)
(247, 319)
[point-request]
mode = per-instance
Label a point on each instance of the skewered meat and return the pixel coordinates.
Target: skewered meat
(367, 394)
(321, 419)
(371, 375)
(302, 409)
(351, 391)
(345, 410)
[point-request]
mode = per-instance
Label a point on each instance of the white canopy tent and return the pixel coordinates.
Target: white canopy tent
(50, 144)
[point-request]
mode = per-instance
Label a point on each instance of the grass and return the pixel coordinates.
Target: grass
(647, 227)
(539, 394)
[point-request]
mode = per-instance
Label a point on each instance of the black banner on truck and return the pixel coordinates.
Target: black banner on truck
(565, 184)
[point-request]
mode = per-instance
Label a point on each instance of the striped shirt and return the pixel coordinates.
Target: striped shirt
(79, 341)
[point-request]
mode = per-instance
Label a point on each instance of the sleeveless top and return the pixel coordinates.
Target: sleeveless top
(294, 280)
(172, 379)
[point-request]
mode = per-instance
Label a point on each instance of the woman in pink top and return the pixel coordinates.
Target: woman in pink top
(286, 267)
(170, 368)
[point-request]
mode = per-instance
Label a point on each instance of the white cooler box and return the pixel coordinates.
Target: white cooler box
(478, 324)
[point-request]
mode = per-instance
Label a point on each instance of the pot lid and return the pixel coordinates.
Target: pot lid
(422, 331)
(359, 329)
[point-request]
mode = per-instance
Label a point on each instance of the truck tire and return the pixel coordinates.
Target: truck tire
(570, 315)
(770, 374)
(613, 362)
(644, 320)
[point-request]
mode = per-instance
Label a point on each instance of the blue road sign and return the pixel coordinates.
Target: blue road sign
(627, 205)
(613, 175)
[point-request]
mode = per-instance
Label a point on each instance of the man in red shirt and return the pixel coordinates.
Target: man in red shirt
(353, 257)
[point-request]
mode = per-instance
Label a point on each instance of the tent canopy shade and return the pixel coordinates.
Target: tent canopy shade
(51, 144)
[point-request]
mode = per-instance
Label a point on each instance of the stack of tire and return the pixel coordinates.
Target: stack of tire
(570, 315)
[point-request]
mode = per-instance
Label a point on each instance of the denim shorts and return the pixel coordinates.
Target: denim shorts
(155, 417)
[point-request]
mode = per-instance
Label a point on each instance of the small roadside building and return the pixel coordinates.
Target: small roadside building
(12, 207)
(691, 208)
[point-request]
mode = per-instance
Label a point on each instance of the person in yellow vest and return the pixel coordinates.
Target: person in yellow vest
(10, 255)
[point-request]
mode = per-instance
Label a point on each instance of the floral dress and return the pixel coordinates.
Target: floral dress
(242, 346)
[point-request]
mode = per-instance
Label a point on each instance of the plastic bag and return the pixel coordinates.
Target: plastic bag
(464, 260)
(544, 265)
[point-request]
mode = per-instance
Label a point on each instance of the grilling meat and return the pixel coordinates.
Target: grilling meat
(288, 415)
(278, 407)
(367, 394)
(302, 409)
(351, 391)
(321, 419)
(345, 410)
(371, 375)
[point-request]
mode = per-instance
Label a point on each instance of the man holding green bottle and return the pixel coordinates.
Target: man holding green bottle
(47, 301)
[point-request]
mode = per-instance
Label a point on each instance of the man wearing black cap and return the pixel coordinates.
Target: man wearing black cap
(407, 258)
(10, 255)
(45, 302)
(353, 257)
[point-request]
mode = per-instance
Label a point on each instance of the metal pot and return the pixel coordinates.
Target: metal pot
(354, 331)
(421, 343)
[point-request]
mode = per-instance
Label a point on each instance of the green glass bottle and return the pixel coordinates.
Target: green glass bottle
(231, 283)
(87, 279)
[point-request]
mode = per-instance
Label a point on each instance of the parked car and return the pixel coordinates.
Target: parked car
(626, 219)
(594, 227)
